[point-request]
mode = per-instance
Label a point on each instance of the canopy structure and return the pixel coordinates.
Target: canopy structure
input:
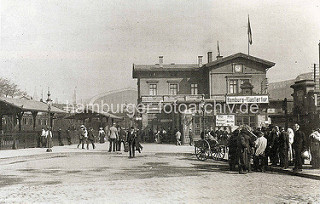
(8, 104)
(16, 107)
(89, 113)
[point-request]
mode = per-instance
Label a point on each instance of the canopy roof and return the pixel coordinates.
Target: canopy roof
(27, 105)
(89, 113)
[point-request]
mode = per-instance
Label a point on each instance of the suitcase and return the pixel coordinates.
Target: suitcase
(126, 147)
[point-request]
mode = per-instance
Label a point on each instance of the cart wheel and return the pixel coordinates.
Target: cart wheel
(202, 150)
(218, 153)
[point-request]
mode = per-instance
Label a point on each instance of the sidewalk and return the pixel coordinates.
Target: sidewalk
(307, 172)
(148, 148)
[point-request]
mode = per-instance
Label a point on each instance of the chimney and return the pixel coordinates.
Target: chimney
(200, 61)
(161, 61)
(209, 57)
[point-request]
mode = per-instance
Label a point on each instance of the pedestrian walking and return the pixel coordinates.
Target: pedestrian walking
(283, 148)
(90, 138)
(132, 142)
(178, 137)
(113, 137)
(299, 145)
(60, 137)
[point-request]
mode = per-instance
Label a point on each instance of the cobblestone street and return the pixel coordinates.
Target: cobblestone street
(97, 176)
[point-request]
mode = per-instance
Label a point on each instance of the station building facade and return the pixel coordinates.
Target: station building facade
(216, 90)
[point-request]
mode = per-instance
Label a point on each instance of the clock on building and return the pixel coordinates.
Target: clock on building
(238, 68)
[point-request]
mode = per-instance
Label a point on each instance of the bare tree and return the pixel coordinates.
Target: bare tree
(10, 89)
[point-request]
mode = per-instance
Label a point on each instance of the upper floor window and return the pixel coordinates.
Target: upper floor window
(173, 89)
(233, 86)
(152, 89)
(194, 89)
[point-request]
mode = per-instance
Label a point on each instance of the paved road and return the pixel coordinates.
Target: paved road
(97, 176)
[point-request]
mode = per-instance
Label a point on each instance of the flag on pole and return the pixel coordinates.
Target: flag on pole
(218, 48)
(249, 32)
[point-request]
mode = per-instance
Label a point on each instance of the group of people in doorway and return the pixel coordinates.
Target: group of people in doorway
(116, 135)
(277, 145)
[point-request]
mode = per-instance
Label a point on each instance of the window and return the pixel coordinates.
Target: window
(152, 89)
(173, 89)
(233, 86)
(246, 120)
(194, 89)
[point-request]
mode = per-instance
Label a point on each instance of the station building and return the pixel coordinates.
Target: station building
(217, 89)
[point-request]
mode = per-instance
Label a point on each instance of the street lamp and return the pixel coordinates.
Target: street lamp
(49, 103)
(202, 105)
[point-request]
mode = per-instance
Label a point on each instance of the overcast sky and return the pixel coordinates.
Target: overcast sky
(92, 44)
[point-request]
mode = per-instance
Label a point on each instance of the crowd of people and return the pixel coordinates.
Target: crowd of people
(116, 135)
(253, 149)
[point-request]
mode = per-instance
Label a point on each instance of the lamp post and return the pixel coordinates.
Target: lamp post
(49, 103)
(202, 104)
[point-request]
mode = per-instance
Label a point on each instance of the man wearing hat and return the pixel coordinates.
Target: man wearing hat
(113, 137)
(259, 156)
(132, 142)
(102, 135)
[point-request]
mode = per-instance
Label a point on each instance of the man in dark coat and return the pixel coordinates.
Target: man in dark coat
(131, 139)
(90, 138)
(283, 148)
(232, 145)
(243, 152)
(69, 136)
(60, 137)
(274, 139)
(299, 144)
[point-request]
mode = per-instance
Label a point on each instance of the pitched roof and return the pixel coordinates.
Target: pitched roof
(268, 64)
(166, 67)
(29, 105)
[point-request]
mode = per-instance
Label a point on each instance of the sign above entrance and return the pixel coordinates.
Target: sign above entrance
(225, 120)
(247, 99)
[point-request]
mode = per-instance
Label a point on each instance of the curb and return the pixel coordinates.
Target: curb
(290, 172)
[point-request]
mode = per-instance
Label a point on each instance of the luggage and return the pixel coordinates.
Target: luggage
(126, 147)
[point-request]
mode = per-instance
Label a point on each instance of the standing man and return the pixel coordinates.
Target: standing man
(43, 137)
(82, 136)
(113, 137)
(69, 136)
(299, 144)
(49, 138)
(132, 142)
(259, 155)
(90, 138)
(315, 149)
(178, 137)
(191, 137)
(60, 137)
(283, 148)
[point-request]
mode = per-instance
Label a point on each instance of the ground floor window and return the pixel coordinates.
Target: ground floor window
(246, 120)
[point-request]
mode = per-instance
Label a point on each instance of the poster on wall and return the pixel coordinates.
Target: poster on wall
(225, 120)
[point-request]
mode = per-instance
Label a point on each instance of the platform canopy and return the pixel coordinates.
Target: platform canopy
(9, 105)
(89, 113)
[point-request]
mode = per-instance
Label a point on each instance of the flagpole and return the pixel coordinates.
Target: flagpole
(248, 36)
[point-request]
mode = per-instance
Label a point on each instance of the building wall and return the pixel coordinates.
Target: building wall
(184, 81)
(219, 76)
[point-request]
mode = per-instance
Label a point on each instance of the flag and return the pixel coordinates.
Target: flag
(218, 48)
(249, 32)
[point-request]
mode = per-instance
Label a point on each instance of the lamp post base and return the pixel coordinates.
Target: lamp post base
(49, 150)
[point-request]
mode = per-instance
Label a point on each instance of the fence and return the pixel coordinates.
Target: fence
(31, 139)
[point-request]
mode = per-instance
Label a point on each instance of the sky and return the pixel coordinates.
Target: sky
(92, 44)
